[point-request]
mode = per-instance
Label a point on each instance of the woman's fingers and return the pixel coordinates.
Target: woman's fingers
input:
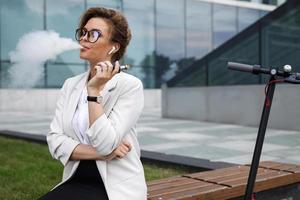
(124, 149)
(116, 68)
(121, 151)
(103, 66)
(109, 66)
(97, 68)
(127, 144)
(120, 154)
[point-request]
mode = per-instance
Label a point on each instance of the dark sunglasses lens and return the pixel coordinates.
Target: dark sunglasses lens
(93, 36)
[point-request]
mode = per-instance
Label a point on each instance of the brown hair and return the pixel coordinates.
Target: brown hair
(119, 32)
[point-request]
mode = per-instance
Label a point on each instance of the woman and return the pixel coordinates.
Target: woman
(93, 132)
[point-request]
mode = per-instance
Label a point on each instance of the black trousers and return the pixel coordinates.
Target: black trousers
(85, 184)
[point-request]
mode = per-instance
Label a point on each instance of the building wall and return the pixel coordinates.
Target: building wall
(240, 105)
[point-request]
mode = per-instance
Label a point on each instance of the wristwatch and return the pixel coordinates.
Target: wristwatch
(97, 99)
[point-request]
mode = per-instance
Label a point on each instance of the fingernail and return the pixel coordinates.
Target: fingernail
(117, 62)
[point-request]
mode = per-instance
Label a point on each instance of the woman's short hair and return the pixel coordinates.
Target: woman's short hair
(119, 32)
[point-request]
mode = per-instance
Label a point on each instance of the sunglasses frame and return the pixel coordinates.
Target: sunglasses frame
(89, 33)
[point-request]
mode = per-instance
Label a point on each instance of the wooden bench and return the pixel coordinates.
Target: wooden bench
(226, 183)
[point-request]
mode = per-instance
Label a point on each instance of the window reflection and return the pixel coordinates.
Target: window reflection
(57, 74)
(224, 23)
(142, 27)
(62, 16)
(116, 4)
(246, 17)
(198, 22)
(170, 28)
(170, 41)
(18, 18)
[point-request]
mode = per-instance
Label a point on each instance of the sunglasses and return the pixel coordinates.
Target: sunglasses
(92, 35)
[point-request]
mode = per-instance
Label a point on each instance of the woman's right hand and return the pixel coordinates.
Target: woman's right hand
(104, 72)
(120, 151)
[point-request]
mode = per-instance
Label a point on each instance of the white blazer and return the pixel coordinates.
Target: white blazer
(123, 101)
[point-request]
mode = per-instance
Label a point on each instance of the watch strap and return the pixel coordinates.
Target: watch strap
(97, 99)
(92, 98)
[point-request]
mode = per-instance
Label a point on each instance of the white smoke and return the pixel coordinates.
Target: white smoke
(32, 51)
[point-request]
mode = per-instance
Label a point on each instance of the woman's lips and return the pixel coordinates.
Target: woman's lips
(84, 47)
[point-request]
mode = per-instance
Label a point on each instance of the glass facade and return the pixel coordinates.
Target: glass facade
(272, 41)
(166, 39)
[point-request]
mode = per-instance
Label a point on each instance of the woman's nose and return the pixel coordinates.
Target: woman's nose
(84, 37)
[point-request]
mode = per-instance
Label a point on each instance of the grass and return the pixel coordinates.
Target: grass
(27, 171)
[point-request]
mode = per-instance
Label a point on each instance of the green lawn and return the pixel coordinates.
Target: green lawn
(27, 170)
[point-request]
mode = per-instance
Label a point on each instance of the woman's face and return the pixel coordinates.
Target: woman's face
(98, 51)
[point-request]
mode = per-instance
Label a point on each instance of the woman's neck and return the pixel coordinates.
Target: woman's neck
(92, 70)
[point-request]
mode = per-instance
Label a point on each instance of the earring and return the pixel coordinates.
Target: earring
(112, 50)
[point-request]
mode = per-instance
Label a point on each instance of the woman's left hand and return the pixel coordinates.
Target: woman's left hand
(121, 151)
(104, 72)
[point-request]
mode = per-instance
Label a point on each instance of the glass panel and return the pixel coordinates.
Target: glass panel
(281, 41)
(194, 77)
(224, 23)
(63, 17)
(169, 33)
(244, 51)
(4, 75)
(262, 13)
(116, 4)
(246, 17)
(198, 24)
(18, 17)
(141, 47)
(140, 51)
(145, 74)
(57, 74)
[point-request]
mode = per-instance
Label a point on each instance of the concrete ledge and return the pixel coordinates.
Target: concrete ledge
(200, 164)
(238, 104)
(41, 139)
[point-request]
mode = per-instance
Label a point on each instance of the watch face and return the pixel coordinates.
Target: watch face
(99, 99)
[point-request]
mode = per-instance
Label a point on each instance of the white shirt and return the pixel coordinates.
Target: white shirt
(81, 118)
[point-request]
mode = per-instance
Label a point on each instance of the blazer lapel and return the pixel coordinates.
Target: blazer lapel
(78, 88)
(106, 92)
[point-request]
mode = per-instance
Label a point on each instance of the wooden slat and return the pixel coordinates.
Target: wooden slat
(277, 165)
(165, 180)
(180, 188)
(260, 176)
(168, 185)
(293, 170)
(217, 173)
(196, 192)
(223, 183)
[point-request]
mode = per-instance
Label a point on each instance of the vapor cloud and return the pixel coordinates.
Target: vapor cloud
(32, 51)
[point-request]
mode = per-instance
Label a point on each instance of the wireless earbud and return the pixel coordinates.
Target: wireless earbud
(112, 50)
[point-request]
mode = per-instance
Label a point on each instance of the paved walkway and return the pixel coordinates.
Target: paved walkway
(213, 141)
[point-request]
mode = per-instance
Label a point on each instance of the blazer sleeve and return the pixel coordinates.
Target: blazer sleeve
(60, 145)
(106, 132)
